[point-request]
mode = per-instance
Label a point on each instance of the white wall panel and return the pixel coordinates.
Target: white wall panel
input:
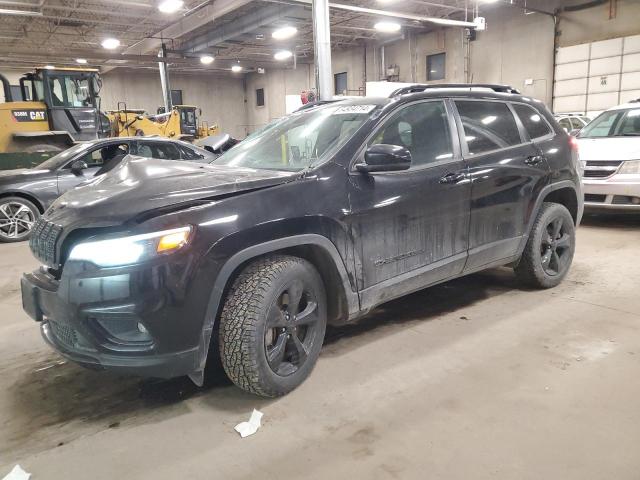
(631, 62)
(606, 48)
(576, 86)
(602, 101)
(573, 54)
(574, 103)
(605, 66)
(632, 44)
(572, 70)
(604, 83)
(630, 81)
(628, 95)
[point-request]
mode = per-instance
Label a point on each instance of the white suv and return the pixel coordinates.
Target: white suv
(610, 153)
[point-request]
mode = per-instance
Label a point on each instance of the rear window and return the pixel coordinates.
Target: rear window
(533, 122)
(487, 126)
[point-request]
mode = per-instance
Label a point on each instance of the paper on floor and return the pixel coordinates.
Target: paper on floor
(17, 474)
(249, 428)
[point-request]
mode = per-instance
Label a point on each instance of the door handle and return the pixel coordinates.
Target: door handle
(451, 178)
(534, 160)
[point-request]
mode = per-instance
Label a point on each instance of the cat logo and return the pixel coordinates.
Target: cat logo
(29, 115)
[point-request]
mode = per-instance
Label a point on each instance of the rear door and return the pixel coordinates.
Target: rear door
(505, 169)
(410, 227)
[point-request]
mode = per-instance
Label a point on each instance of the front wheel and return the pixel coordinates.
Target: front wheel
(17, 217)
(272, 325)
(549, 251)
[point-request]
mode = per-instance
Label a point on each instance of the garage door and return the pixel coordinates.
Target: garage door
(592, 77)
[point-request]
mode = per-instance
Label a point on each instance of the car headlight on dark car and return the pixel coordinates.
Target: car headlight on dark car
(630, 167)
(118, 252)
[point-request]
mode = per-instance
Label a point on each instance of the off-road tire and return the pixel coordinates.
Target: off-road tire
(530, 270)
(243, 321)
(34, 214)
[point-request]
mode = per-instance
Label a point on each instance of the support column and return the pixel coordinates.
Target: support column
(322, 49)
(164, 79)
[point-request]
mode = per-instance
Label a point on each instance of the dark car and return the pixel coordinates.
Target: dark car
(26, 193)
(163, 268)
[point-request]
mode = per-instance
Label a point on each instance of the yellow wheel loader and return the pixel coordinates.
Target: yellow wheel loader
(181, 123)
(60, 107)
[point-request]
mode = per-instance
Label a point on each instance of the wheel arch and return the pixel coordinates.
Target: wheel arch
(316, 249)
(33, 199)
(566, 196)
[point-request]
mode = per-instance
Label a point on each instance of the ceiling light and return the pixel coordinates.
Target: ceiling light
(110, 43)
(489, 1)
(283, 55)
(81, 61)
(387, 27)
(170, 6)
(284, 33)
(49, 67)
(236, 68)
(207, 59)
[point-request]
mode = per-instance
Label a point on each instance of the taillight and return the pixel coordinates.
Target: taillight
(573, 143)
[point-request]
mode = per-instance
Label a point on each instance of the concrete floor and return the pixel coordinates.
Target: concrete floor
(475, 378)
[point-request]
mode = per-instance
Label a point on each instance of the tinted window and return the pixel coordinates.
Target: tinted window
(100, 156)
(533, 122)
(488, 126)
(423, 128)
(435, 66)
(162, 151)
(187, 153)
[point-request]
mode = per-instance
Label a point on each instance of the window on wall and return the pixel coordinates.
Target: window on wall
(176, 97)
(435, 66)
(260, 97)
(340, 83)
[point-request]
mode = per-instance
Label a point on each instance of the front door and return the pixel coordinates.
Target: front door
(410, 227)
(506, 170)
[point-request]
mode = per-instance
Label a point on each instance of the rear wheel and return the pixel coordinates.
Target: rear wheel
(549, 251)
(272, 325)
(17, 217)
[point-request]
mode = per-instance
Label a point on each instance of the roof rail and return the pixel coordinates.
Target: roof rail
(420, 87)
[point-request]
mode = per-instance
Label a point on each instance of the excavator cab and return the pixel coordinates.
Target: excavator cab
(72, 99)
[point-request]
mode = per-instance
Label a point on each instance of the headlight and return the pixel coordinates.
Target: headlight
(118, 252)
(632, 167)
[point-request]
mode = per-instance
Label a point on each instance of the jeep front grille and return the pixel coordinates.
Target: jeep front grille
(43, 242)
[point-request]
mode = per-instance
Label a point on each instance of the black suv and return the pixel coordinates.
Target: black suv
(161, 268)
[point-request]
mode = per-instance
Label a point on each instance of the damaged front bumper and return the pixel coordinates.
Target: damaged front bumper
(134, 320)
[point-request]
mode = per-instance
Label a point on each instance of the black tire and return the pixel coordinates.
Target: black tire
(257, 322)
(549, 251)
(17, 217)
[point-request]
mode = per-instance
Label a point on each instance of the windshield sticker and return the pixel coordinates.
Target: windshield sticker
(355, 109)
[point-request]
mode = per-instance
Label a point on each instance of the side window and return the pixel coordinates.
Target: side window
(159, 150)
(188, 154)
(487, 126)
(533, 122)
(144, 150)
(423, 128)
(565, 123)
(100, 156)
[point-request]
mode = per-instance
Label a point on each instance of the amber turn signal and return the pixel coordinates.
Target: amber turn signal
(173, 241)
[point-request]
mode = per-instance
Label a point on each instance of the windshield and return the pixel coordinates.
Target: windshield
(300, 140)
(614, 123)
(70, 91)
(63, 157)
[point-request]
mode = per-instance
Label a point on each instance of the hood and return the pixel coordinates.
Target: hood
(139, 185)
(609, 148)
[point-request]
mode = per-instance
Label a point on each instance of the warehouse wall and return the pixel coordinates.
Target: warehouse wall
(221, 98)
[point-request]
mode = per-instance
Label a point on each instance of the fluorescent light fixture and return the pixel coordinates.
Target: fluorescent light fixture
(110, 43)
(283, 55)
(284, 32)
(81, 61)
(236, 68)
(207, 59)
(387, 27)
(170, 6)
(49, 67)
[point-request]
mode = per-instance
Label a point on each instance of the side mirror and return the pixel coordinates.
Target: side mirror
(78, 166)
(385, 158)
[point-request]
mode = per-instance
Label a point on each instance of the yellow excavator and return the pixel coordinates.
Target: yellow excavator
(181, 123)
(58, 107)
